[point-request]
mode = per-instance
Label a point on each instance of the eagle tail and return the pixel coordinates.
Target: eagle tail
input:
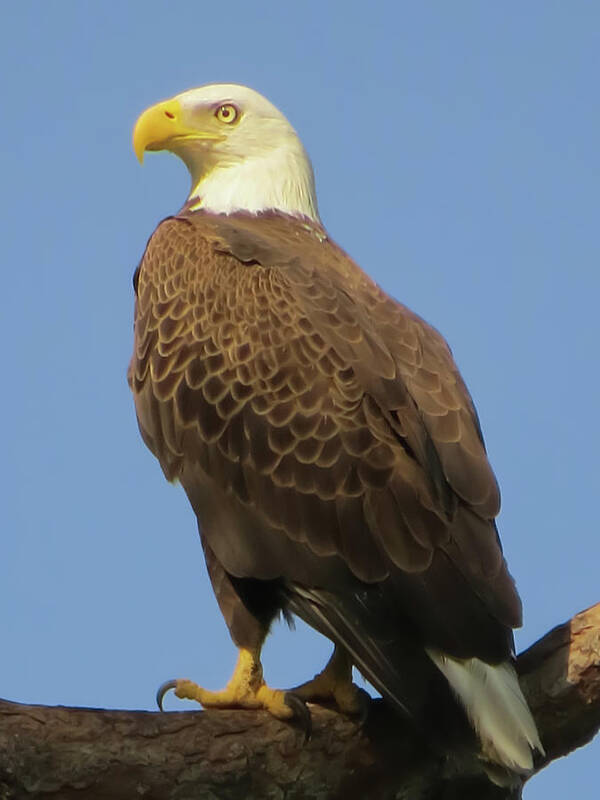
(495, 704)
(414, 690)
(489, 694)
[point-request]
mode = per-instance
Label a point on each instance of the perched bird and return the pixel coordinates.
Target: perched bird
(324, 437)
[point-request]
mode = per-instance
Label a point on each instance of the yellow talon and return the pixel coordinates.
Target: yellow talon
(334, 683)
(274, 701)
(247, 689)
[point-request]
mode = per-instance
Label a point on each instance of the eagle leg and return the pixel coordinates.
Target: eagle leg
(246, 689)
(334, 683)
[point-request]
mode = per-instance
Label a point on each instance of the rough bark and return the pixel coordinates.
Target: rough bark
(56, 752)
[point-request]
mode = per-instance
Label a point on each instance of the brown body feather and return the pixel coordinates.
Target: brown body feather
(326, 441)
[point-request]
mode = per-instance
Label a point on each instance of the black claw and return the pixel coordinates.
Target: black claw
(301, 713)
(162, 690)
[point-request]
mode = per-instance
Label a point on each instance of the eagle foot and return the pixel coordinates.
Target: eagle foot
(334, 684)
(246, 689)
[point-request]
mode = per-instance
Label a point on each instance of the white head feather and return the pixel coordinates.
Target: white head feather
(259, 164)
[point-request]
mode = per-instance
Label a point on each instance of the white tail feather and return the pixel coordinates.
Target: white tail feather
(496, 707)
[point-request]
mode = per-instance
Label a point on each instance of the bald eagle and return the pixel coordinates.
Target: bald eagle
(324, 437)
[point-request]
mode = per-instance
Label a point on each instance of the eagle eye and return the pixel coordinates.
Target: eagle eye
(227, 113)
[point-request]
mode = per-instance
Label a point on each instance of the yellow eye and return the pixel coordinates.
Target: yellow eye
(226, 113)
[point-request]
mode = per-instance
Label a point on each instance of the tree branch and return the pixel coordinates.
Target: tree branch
(68, 753)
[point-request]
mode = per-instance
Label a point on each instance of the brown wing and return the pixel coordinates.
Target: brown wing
(320, 429)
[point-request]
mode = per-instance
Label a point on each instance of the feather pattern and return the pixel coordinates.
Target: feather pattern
(326, 441)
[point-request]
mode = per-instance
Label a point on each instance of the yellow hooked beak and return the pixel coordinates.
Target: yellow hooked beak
(163, 127)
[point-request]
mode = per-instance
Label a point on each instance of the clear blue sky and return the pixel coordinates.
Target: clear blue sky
(456, 153)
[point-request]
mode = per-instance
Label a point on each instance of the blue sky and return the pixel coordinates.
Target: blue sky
(456, 152)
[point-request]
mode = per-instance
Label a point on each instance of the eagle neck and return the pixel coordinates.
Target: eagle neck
(281, 180)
